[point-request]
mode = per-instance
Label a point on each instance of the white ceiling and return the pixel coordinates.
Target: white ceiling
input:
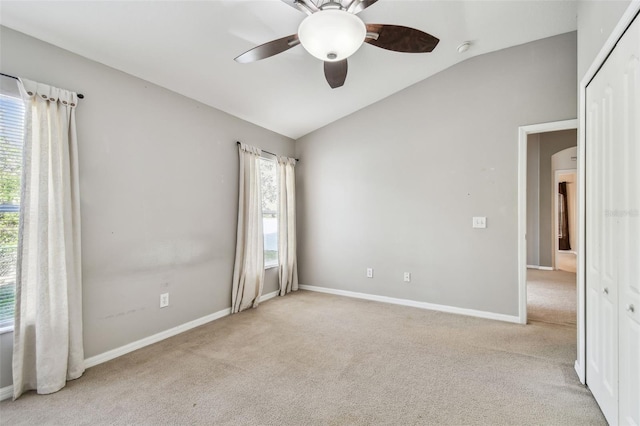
(189, 46)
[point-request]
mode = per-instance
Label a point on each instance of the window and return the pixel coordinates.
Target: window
(11, 136)
(269, 180)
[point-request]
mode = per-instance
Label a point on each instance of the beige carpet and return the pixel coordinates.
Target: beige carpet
(316, 359)
(551, 297)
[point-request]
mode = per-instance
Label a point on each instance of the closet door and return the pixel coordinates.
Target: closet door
(613, 232)
(629, 223)
(602, 132)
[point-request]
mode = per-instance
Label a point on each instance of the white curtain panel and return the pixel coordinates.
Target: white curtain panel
(287, 248)
(48, 348)
(248, 271)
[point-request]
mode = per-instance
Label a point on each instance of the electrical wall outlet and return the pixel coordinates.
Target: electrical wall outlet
(164, 300)
(479, 222)
(407, 277)
(369, 272)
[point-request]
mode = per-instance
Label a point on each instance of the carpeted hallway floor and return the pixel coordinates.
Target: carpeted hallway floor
(551, 297)
(317, 359)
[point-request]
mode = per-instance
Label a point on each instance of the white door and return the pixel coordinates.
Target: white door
(602, 297)
(613, 232)
(629, 224)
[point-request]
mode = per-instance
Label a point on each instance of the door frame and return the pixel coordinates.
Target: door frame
(523, 133)
(627, 18)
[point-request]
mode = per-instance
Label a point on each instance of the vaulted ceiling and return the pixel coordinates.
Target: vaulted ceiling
(189, 46)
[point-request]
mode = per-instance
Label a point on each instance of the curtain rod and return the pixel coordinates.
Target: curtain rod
(80, 95)
(238, 142)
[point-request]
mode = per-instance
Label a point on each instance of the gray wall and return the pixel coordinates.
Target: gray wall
(541, 148)
(6, 354)
(158, 182)
(395, 186)
(596, 20)
(533, 199)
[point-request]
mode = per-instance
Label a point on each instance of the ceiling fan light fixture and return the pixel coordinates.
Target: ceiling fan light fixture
(332, 35)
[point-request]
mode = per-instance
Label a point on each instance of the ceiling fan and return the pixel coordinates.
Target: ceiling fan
(332, 32)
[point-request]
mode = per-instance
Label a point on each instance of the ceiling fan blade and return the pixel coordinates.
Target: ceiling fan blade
(401, 39)
(358, 6)
(268, 49)
(335, 72)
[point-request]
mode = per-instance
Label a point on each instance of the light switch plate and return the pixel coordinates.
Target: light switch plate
(479, 222)
(164, 300)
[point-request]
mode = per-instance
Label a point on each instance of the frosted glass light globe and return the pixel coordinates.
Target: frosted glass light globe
(332, 35)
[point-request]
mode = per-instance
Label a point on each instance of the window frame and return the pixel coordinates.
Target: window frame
(9, 89)
(274, 159)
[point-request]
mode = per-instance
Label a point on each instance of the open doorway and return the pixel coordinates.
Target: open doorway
(551, 269)
(547, 293)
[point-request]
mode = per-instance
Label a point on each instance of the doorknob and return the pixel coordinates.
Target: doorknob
(606, 290)
(631, 308)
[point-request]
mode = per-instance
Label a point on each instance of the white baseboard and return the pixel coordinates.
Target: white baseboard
(7, 392)
(542, 268)
(122, 350)
(268, 296)
(579, 372)
(415, 304)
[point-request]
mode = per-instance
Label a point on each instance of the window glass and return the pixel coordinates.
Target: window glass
(269, 211)
(11, 136)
